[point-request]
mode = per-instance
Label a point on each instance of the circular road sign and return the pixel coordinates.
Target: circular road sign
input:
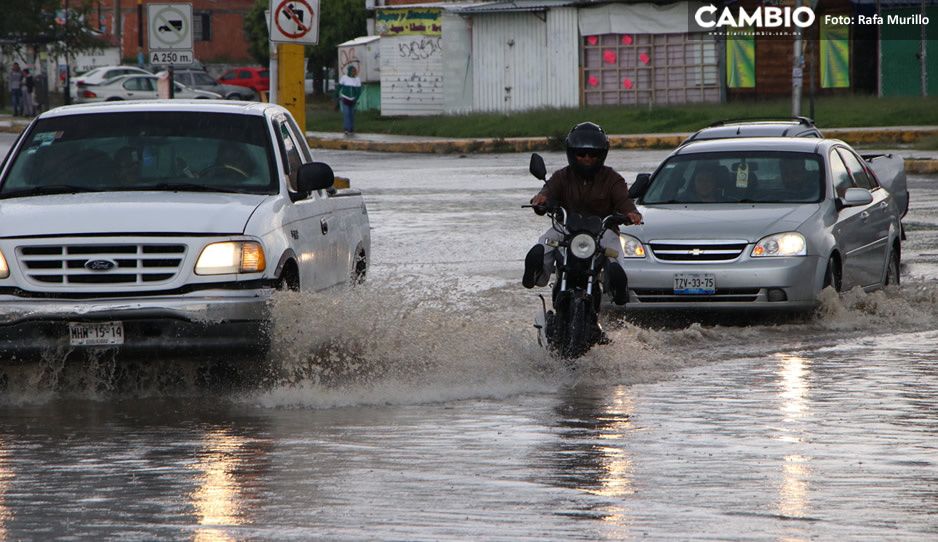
(170, 25)
(294, 18)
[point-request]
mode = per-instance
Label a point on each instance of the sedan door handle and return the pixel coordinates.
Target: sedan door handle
(865, 215)
(324, 226)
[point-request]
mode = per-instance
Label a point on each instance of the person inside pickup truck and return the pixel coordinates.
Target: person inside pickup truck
(232, 162)
(127, 162)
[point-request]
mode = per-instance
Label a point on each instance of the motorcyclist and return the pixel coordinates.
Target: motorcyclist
(587, 187)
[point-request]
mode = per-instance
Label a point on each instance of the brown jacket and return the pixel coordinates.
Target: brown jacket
(602, 196)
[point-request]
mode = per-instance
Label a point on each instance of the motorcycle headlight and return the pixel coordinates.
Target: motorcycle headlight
(231, 257)
(781, 244)
(583, 246)
(631, 247)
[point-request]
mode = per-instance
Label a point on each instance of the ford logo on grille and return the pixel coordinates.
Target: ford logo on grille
(100, 265)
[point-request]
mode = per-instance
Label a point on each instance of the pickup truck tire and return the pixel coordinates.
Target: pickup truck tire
(289, 278)
(360, 267)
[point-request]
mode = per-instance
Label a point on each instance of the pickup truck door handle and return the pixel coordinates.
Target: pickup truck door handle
(324, 226)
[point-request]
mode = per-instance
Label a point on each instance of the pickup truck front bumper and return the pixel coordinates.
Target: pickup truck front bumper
(203, 322)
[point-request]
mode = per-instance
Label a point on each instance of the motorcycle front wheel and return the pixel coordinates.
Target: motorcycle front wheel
(579, 325)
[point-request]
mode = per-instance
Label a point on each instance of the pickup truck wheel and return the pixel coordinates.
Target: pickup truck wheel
(360, 269)
(289, 279)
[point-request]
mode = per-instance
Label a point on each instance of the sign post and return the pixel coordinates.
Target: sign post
(293, 24)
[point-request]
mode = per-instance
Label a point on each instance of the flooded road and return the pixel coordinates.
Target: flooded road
(420, 407)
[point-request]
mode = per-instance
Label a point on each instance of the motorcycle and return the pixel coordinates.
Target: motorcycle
(572, 327)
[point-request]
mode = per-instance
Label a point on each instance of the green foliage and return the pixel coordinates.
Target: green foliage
(255, 28)
(31, 23)
(830, 112)
(340, 20)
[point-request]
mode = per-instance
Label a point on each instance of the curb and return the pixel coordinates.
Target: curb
(853, 136)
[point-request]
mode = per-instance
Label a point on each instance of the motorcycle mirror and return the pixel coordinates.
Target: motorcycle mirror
(537, 167)
(638, 188)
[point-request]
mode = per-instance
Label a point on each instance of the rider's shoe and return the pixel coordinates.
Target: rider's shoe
(618, 283)
(533, 266)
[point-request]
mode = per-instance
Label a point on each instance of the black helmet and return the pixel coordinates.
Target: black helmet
(587, 136)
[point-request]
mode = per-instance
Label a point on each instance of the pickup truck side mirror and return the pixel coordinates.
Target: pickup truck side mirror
(537, 167)
(855, 197)
(314, 176)
(640, 185)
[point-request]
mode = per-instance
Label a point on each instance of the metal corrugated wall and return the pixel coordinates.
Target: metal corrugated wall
(411, 75)
(521, 61)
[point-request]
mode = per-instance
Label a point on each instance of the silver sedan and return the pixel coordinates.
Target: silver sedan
(136, 87)
(762, 223)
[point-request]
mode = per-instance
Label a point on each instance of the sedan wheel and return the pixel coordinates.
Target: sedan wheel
(831, 276)
(892, 271)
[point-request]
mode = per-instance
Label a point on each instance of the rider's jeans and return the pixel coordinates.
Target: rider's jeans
(610, 240)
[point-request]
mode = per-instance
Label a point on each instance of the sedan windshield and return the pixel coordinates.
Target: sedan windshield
(179, 151)
(738, 177)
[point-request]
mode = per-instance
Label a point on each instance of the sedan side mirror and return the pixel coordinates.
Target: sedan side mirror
(640, 185)
(314, 176)
(856, 197)
(537, 167)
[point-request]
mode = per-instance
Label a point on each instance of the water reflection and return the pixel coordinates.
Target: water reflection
(796, 468)
(6, 480)
(224, 474)
(591, 455)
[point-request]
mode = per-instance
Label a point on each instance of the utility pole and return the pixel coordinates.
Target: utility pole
(140, 32)
(67, 94)
(118, 23)
(923, 52)
(797, 70)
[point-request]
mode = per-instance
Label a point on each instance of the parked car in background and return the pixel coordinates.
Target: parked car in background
(789, 127)
(254, 78)
(200, 79)
(166, 227)
(98, 75)
(762, 223)
(137, 87)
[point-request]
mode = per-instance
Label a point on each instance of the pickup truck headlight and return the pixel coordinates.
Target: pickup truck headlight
(781, 244)
(231, 257)
(631, 246)
(4, 268)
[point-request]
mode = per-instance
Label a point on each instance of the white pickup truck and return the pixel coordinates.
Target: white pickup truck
(166, 226)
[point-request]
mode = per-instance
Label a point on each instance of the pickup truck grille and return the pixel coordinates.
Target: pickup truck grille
(697, 252)
(90, 265)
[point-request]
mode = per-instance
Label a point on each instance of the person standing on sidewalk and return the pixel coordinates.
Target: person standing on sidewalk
(28, 85)
(350, 89)
(15, 84)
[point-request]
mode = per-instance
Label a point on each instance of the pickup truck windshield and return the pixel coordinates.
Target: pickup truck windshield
(121, 151)
(738, 177)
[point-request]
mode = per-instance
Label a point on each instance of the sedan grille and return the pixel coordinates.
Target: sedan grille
(726, 295)
(88, 265)
(697, 252)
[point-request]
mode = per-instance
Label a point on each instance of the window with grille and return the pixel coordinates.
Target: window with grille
(633, 69)
(201, 26)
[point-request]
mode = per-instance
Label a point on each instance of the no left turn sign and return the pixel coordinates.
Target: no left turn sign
(295, 21)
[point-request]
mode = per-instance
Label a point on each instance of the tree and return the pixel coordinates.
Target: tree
(340, 21)
(28, 25)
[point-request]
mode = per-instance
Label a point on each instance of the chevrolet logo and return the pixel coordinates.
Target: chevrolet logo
(695, 252)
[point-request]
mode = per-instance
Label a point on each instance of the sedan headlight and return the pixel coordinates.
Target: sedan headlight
(583, 246)
(631, 247)
(4, 268)
(781, 244)
(231, 257)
